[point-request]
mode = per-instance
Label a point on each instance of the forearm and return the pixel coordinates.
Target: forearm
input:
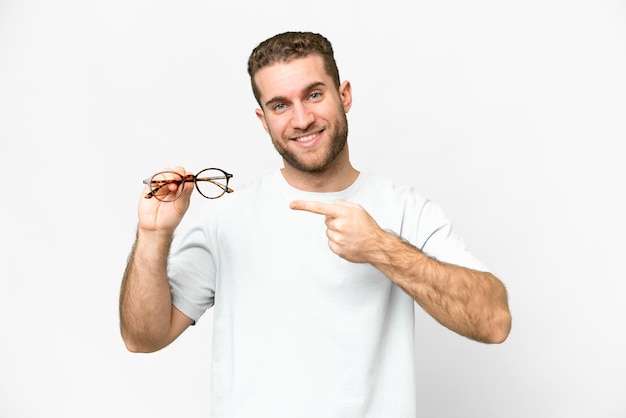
(469, 302)
(145, 298)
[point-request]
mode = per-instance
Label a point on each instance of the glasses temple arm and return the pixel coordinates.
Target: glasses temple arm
(220, 185)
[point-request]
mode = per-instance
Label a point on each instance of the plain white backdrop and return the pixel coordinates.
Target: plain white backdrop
(511, 115)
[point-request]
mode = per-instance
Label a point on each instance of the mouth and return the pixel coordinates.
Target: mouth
(309, 139)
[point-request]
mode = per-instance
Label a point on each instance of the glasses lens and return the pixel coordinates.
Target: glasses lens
(211, 183)
(166, 186)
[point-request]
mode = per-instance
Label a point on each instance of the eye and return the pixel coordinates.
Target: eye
(279, 106)
(316, 95)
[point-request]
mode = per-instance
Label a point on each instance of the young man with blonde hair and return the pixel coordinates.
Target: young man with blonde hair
(313, 270)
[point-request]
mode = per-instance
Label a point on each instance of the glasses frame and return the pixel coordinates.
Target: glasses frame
(195, 178)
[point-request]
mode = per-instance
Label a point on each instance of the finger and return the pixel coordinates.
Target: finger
(166, 185)
(188, 189)
(345, 203)
(314, 207)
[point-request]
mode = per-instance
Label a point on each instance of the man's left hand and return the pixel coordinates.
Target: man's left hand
(352, 233)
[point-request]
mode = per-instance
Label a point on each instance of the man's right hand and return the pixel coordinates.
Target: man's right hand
(148, 320)
(164, 217)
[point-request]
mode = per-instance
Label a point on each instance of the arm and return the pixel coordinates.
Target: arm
(469, 302)
(148, 320)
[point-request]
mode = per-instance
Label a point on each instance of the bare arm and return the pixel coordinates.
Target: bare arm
(469, 302)
(148, 320)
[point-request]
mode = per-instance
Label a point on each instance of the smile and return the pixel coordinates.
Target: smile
(307, 138)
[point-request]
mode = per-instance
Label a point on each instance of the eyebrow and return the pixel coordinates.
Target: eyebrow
(278, 99)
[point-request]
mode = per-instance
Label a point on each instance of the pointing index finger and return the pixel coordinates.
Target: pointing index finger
(320, 208)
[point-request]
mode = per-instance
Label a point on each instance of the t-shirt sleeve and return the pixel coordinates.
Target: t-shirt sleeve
(432, 232)
(191, 271)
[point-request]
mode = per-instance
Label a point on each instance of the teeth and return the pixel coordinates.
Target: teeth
(306, 138)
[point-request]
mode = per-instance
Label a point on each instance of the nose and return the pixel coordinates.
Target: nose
(302, 116)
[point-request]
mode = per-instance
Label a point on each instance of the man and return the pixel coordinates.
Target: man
(313, 270)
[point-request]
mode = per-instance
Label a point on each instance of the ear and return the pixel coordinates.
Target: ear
(261, 116)
(345, 92)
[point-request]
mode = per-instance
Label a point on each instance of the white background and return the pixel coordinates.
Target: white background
(511, 115)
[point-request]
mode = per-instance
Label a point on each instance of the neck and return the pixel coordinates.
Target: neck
(336, 177)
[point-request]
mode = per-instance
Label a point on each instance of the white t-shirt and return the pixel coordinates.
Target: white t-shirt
(299, 331)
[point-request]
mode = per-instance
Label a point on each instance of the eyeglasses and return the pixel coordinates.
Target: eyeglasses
(168, 186)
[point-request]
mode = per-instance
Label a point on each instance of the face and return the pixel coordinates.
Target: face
(304, 113)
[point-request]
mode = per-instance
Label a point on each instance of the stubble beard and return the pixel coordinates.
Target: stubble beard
(338, 141)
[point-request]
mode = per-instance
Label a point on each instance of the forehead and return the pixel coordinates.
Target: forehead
(283, 79)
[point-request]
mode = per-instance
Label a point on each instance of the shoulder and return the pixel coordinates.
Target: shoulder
(387, 191)
(205, 212)
(248, 190)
